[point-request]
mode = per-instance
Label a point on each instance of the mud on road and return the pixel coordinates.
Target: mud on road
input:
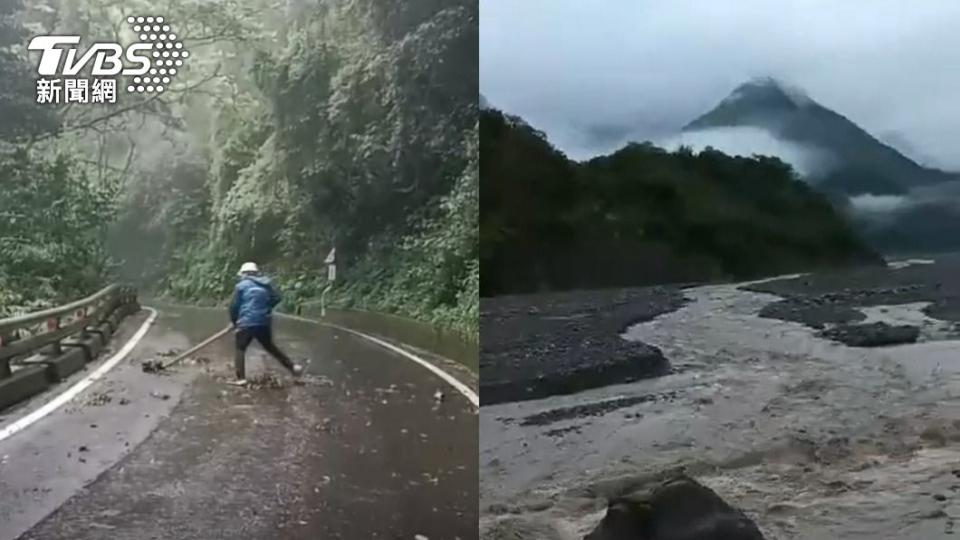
(366, 445)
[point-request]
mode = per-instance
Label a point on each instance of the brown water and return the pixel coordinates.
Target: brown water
(813, 439)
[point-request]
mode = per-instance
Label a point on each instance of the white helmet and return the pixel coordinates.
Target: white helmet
(248, 268)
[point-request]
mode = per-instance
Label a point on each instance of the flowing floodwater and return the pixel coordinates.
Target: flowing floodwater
(813, 439)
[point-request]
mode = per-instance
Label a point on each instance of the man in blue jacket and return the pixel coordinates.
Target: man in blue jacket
(254, 298)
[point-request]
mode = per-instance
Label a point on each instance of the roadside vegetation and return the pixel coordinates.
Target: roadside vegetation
(349, 124)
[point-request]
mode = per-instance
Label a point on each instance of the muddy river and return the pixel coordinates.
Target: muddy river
(811, 438)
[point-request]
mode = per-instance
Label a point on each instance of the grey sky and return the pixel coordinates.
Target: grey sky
(592, 74)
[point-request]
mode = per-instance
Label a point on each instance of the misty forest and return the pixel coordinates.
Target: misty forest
(295, 127)
(643, 215)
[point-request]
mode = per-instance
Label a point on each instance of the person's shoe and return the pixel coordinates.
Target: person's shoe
(238, 382)
(297, 369)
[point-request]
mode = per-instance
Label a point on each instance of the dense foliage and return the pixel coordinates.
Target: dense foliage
(359, 133)
(291, 131)
(52, 218)
(20, 116)
(643, 215)
(52, 225)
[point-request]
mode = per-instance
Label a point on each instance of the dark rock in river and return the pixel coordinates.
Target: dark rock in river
(680, 509)
(597, 408)
(876, 334)
(834, 300)
(813, 312)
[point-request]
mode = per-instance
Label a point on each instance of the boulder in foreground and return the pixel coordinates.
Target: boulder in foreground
(680, 509)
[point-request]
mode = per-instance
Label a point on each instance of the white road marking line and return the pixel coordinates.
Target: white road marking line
(450, 379)
(81, 385)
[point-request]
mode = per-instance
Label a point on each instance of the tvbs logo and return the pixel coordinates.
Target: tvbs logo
(150, 63)
(105, 56)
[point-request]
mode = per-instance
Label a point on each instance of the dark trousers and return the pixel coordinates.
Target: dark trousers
(263, 335)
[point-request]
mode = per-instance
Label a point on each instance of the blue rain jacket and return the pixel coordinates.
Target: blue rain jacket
(254, 298)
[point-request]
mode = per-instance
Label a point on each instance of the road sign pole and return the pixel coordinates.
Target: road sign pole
(331, 262)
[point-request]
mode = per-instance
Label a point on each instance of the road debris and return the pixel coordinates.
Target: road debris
(264, 380)
(197, 360)
(99, 398)
(313, 380)
(152, 366)
(158, 395)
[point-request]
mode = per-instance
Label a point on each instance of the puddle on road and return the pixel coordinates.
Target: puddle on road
(813, 439)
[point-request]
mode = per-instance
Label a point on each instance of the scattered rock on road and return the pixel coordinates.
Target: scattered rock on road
(99, 398)
(152, 366)
(198, 360)
(264, 380)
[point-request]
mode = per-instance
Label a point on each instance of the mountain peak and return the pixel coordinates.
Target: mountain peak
(862, 164)
(770, 92)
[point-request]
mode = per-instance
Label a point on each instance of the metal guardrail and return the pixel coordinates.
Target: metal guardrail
(26, 334)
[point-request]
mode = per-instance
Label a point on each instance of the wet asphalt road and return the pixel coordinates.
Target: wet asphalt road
(360, 449)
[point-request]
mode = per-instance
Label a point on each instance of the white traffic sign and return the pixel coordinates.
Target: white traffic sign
(331, 257)
(332, 272)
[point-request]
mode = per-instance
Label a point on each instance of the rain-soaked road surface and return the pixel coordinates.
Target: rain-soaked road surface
(813, 439)
(361, 449)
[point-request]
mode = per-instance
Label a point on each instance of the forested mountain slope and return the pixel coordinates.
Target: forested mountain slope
(643, 215)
